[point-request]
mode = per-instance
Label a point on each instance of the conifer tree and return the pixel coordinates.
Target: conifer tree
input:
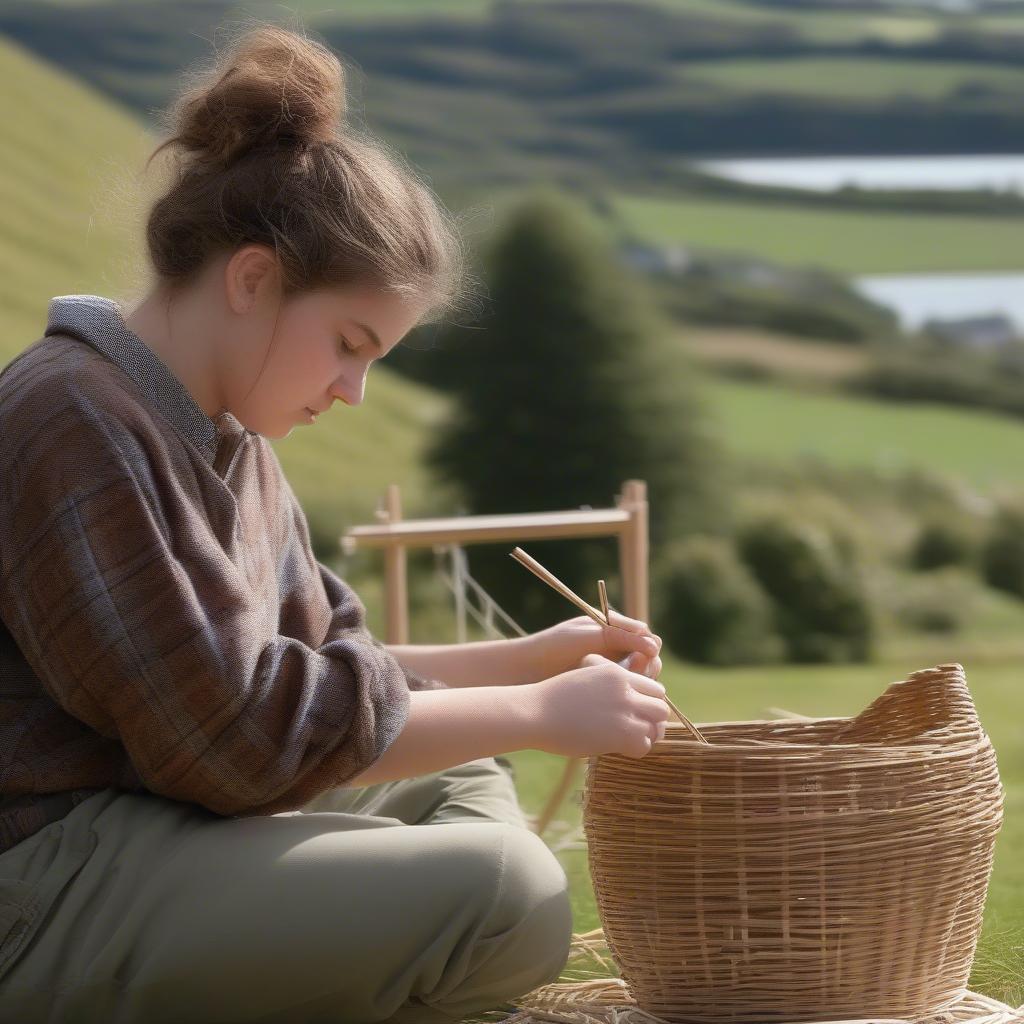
(569, 383)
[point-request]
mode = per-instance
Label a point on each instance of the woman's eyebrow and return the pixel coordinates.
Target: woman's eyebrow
(370, 333)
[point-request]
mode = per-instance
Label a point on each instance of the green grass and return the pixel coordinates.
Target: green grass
(851, 77)
(65, 228)
(983, 448)
(847, 241)
(735, 695)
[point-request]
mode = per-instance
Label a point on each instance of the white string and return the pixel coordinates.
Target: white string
(462, 585)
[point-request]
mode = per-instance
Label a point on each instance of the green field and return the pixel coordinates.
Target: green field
(736, 695)
(983, 448)
(848, 241)
(822, 25)
(857, 78)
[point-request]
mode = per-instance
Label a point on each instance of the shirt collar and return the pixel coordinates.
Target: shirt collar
(100, 322)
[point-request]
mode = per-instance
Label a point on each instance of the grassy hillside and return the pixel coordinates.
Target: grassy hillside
(985, 449)
(856, 77)
(822, 25)
(601, 91)
(612, 99)
(66, 149)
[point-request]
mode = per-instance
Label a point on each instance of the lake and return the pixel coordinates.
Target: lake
(1004, 172)
(915, 297)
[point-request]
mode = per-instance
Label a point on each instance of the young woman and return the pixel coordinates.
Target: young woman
(221, 798)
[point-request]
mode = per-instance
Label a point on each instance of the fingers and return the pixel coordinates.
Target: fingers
(625, 622)
(649, 733)
(647, 687)
(640, 663)
(645, 639)
(654, 709)
(655, 723)
(655, 731)
(644, 643)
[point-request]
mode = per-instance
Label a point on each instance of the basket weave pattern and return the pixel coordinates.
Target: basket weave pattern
(807, 869)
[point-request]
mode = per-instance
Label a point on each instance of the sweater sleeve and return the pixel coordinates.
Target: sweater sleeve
(136, 622)
(342, 597)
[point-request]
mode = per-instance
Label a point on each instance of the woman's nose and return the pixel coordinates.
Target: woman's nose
(349, 391)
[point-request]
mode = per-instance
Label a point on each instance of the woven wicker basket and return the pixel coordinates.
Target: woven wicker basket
(796, 870)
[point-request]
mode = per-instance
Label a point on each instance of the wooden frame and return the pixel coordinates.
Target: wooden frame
(627, 521)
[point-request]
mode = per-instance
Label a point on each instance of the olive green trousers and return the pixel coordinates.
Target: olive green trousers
(424, 899)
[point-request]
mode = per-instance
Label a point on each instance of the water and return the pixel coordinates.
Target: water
(916, 297)
(824, 173)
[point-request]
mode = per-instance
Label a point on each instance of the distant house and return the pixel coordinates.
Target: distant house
(666, 259)
(993, 331)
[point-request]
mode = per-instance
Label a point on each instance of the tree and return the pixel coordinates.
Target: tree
(570, 383)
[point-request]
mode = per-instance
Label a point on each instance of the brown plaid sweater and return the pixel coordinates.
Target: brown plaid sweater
(164, 624)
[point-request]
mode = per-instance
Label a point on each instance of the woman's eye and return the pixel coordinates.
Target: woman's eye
(345, 344)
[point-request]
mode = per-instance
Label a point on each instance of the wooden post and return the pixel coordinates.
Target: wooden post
(396, 590)
(633, 550)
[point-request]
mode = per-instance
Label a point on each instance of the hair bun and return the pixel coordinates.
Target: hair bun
(273, 86)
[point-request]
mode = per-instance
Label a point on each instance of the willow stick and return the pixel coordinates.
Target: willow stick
(555, 583)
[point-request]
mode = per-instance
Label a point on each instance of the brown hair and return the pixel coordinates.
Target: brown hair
(263, 156)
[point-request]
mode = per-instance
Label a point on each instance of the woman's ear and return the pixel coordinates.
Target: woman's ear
(251, 278)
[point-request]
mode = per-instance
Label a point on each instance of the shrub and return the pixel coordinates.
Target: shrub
(940, 543)
(1002, 555)
(941, 603)
(710, 609)
(821, 609)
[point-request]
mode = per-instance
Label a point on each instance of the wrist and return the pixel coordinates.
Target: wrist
(540, 656)
(529, 708)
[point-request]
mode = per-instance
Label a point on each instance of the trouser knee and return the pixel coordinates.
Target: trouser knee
(533, 903)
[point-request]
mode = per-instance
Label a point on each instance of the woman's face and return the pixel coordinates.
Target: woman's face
(323, 343)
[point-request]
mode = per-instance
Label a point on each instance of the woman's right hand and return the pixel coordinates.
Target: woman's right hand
(600, 707)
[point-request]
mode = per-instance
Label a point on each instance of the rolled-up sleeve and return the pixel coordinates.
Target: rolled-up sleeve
(152, 636)
(344, 600)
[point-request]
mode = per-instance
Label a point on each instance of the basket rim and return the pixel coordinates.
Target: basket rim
(687, 740)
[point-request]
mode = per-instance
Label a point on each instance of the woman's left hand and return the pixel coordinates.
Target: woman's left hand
(565, 644)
